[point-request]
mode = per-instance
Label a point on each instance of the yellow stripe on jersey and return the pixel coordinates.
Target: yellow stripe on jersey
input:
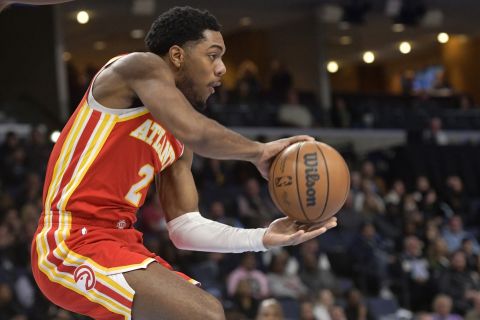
(63, 160)
(104, 127)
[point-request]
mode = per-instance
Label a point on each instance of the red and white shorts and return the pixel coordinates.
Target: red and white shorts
(80, 268)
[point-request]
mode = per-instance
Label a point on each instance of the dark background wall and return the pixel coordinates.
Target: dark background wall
(27, 64)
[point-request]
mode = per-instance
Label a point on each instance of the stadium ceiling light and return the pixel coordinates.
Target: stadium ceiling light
(83, 17)
(332, 66)
(405, 47)
(443, 37)
(368, 57)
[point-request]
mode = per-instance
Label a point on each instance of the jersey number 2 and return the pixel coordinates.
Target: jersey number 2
(134, 195)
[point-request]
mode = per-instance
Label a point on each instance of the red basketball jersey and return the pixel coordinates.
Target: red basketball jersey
(104, 161)
(97, 177)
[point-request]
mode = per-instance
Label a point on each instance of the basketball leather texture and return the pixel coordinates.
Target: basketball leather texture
(309, 181)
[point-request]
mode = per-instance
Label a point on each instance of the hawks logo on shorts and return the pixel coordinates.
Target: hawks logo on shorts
(84, 277)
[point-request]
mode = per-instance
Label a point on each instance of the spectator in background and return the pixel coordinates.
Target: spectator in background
(467, 103)
(349, 219)
(315, 270)
(340, 116)
(254, 206)
(244, 299)
(39, 149)
(422, 188)
(390, 223)
(370, 259)
(356, 308)
(423, 316)
(441, 86)
(369, 172)
(457, 198)
(368, 201)
(474, 313)
(247, 88)
(293, 114)
(323, 304)
(216, 212)
(454, 234)
(458, 283)
(306, 310)
(281, 81)
(337, 313)
(209, 273)
(247, 270)
(471, 257)
(407, 80)
(442, 308)
(396, 194)
(434, 134)
(438, 257)
(270, 309)
(416, 270)
(8, 147)
(281, 283)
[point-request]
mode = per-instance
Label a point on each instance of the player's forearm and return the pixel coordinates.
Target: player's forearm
(191, 231)
(215, 141)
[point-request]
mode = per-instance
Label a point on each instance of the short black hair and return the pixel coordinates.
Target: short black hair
(178, 26)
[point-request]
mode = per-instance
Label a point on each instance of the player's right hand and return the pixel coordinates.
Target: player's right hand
(271, 149)
(288, 232)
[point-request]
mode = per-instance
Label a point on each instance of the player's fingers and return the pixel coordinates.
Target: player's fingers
(312, 234)
(299, 138)
(330, 223)
(296, 237)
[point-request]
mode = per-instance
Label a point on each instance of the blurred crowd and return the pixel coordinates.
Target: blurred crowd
(273, 98)
(400, 250)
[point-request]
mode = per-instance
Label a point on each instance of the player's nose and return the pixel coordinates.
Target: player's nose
(220, 69)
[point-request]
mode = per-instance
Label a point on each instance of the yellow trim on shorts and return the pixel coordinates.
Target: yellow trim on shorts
(93, 147)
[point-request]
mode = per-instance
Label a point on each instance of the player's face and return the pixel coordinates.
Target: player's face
(203, 68)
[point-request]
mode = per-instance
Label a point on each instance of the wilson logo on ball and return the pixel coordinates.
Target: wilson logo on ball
(84, 277)
(283, 181)
(311, 177)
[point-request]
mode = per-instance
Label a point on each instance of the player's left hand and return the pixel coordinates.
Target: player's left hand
(288, 232)
(271, 149)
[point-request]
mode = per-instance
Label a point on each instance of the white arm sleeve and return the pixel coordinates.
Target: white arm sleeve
(191, 231)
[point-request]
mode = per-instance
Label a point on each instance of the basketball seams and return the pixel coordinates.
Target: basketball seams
(300, 145)
(272, 183)
(328, 180)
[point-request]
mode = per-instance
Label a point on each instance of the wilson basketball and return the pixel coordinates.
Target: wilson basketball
(309, 181)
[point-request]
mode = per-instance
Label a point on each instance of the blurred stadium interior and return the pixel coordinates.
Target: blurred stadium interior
(407, 123)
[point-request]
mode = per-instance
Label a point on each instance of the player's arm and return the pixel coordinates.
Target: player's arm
(4, 4)
(152, 81)
(190, 231)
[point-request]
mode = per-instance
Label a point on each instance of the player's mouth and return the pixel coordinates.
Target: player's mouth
(213, 85)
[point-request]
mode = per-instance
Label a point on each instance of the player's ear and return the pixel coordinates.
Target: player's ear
(176, 55)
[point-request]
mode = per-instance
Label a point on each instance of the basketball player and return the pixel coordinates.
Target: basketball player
(137, 122)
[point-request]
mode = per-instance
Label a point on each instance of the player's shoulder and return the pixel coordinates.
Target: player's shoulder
(138, 65)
